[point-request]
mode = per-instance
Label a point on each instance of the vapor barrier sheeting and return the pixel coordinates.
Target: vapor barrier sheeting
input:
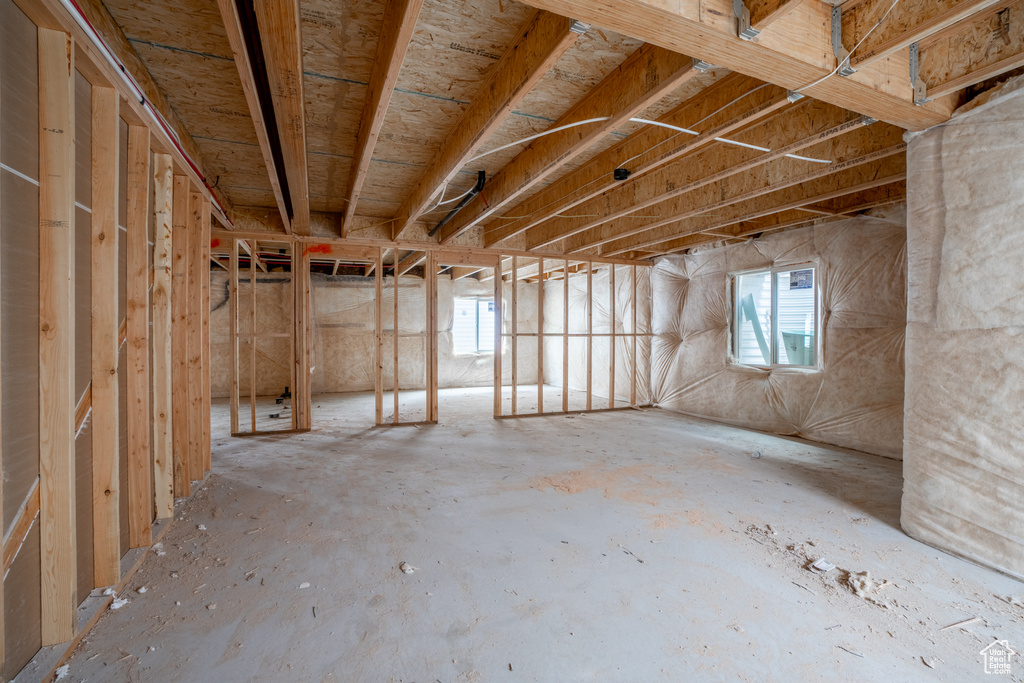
(964, 447)
(854, 399)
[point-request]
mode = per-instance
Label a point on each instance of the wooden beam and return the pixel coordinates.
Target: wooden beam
(543, 39)
(281, 38)
(795, 54)
(647, 76)
(180, 219)
(860, 147)
(811, 125)
(764, 13)
(106, 480)
(58, 537)
(163, 421)
(908, 22)
(431, 278)
(345, 248)
(378, 326)
(981, 49)
(197, 269)
(884, 171)
(233, 397)
(396, 31)
(140, 486)
(499, 329)
(721, 109)
(861, 199)
(240, 51)
(205, 317)
(301, 399)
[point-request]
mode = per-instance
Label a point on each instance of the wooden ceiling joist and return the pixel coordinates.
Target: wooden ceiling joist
(858, 201)
(865, 148)
(721, 109)
(763, 13)
(233, 27)
(281, 38)
(396, 31)
(541, 42)
(267, 48)
(811, 124)
(909, 21)
(750, 206)
(647, 76)
(981, 48)
(795, 52)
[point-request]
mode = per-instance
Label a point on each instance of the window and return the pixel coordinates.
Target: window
(473, 327)
(775, 317)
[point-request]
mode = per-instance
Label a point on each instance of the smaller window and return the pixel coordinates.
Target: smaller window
(473, 326)
(775, 317)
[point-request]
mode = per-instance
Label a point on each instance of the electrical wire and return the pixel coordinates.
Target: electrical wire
(847, 59)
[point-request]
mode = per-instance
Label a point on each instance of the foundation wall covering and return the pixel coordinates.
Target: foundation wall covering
(854, 398)
(963, 467)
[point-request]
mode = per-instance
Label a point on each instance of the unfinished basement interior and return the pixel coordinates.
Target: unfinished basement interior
(496, 340)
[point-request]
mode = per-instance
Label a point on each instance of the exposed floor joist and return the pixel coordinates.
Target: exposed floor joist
(646, 77)
(400, 18)
(540, 43)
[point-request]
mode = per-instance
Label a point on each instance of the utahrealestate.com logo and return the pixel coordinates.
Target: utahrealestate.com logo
(997, 657)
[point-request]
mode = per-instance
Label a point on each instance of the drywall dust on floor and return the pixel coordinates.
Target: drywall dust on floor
(627, 546)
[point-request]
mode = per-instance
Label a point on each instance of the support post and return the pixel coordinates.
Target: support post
(196, 269)
(394, 344)
(163, 426)
(590, 334)
(431, 275)
(565, 339)
(252, 336)
(540, 335)
(181, 437)
(140, 485)
(301, 393)
(636, 359)
(611, 336)
(378, 386)
(499, 326)
(515, 331)
(106, 482)
(207, 217)
(58, 584)
(233, 333)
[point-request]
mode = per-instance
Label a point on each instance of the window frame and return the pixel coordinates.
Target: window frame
(476, 310)
(734, 312)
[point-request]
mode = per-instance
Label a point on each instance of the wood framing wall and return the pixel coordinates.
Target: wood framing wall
(400, 305)
(93, 312)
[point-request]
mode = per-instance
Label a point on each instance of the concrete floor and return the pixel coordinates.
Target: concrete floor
(628, 546)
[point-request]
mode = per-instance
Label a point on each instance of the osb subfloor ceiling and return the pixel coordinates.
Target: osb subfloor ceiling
(684, 190)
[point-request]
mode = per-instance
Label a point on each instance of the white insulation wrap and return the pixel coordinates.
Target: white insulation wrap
(855, 398)
(964, 447)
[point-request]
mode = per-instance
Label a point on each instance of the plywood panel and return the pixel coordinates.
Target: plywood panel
(205, 91)
(193, 25)
(339, 37)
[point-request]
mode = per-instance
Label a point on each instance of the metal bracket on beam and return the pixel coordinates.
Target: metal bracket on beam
(920, 89)
(794, 96)
(701, 66)
(743, 28)
(867, 120)
(841, 53)
(579, 27)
